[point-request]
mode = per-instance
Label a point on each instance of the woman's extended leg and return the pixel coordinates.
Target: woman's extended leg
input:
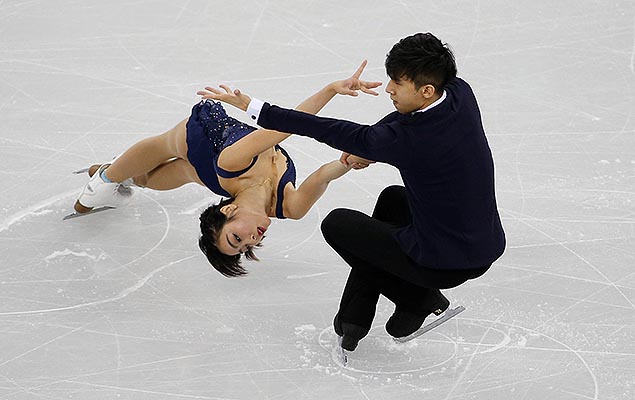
(169, 175)
(149, 154)
(159, 162)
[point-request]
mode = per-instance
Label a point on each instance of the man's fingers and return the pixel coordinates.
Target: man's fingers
(344, 158)
(358, 165)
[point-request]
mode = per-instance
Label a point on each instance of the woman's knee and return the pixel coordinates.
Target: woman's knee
(169, 175)
(140, 180)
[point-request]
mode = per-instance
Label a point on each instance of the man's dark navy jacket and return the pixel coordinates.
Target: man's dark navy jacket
(446, 166)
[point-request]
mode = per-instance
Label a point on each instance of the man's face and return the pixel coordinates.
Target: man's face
(405, 97)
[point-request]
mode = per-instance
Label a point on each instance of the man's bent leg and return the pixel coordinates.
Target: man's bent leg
(392, 207)
(369, 247)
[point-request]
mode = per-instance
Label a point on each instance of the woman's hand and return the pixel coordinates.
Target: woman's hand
(236, 98)
(351, 85)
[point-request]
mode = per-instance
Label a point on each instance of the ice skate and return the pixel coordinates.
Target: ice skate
(92, 211)
(442, 318)
(99, 195)
(93, 168)
(405, 325)
(350, 334)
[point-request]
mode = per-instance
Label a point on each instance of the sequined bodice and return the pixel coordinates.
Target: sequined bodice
(222, 129)
(209, 131)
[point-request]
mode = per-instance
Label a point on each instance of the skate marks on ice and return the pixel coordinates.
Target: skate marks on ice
(445, 359)
(75, 259)
(377, 353)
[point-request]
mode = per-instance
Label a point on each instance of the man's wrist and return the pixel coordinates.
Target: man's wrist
(253, 108)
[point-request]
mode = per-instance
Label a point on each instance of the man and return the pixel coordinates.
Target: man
(437, 231)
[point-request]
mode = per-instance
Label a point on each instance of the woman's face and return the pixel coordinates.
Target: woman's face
(244, 230)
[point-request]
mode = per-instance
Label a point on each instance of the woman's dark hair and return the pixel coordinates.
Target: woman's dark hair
(212, 222)
(422, 59)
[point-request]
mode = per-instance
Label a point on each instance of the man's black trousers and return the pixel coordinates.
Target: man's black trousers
(380, 266)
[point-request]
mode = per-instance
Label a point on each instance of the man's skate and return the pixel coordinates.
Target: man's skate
(442, 318)
(404, 326)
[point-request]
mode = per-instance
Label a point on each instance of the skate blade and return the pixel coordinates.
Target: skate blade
(93, 211)
(340, 353)
(87, 169)
(81, 170)
(449, 314)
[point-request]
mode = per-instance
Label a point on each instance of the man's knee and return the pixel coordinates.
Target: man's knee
(392, 206)
(334, 222)
(391, 193)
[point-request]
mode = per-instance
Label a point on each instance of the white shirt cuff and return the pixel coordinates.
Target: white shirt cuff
(254, 108)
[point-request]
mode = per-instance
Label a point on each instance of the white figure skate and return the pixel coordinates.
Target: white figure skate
(99, 195)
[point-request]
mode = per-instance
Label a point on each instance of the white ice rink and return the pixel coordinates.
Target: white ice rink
(123, 305)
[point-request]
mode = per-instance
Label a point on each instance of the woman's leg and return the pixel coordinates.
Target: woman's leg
(169, 175)
(151, 154)
(159, 162)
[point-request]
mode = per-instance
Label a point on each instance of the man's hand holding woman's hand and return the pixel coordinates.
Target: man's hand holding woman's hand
(355, 162)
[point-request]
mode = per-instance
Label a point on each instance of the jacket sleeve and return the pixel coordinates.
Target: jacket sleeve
(380, 142)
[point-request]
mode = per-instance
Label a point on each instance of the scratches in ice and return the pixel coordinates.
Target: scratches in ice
(67, 252)
(122, 294)
(632, 66)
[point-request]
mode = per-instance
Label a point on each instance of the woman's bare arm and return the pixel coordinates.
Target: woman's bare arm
(240, 154)
(297, 202)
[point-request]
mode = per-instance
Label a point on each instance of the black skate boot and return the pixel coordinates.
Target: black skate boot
(350, 333)
(403, 323)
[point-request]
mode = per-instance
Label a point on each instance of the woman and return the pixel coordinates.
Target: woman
(233, 160)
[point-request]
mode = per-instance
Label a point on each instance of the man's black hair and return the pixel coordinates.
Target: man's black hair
(422, 59)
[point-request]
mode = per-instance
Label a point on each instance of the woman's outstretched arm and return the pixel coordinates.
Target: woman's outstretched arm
(240, 154)
(297, 202)
(348, 87)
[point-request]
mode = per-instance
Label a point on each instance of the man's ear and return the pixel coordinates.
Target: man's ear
(427, 91)
(228, 209)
